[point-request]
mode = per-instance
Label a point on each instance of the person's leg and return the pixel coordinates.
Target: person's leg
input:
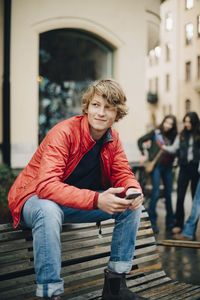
(122, 248)
(155, 180)
(183, 181)
(190, 225)
(167, 178)
(45, 218)
(194, 175)
(124, 233)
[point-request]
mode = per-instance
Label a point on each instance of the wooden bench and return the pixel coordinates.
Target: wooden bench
(84, 257)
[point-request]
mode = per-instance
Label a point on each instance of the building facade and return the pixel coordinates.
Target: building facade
(173, 68)
(58, 47)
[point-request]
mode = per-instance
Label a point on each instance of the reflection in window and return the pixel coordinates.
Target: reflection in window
(189, 4)
(69, 61)
(188, 71)
(168, 21)
(189, 32)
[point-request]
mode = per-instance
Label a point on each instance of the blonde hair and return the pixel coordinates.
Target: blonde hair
(110, 90)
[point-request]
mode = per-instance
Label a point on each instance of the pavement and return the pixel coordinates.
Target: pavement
(180, 263)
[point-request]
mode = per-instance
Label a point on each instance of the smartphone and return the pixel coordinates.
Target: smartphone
(133, 195)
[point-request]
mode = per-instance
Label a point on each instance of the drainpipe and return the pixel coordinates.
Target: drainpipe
(6, 83)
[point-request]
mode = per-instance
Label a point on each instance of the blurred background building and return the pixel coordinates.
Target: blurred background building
(173, 67)
(51, 50)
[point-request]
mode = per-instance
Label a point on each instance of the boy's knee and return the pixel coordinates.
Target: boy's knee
(43, 211)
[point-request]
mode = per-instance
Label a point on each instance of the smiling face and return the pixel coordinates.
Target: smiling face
(168, 124)
(101, 116)
(187, 123)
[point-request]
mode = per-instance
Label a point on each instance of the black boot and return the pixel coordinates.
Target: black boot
(115, 288)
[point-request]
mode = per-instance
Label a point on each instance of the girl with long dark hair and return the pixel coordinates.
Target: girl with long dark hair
(164, 134)
(187, 147)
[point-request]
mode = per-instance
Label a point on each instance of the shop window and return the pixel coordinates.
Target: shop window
(69, 60)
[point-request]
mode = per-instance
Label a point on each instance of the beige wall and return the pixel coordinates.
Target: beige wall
(1, 73)
(122, 23)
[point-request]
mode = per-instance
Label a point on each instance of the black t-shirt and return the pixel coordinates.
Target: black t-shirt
(87, 174)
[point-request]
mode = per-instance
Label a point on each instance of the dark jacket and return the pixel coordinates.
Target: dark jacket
(153, 149)
(165, 158)
(183, 151)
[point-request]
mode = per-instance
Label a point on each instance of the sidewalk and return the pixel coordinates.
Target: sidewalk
(180, 263)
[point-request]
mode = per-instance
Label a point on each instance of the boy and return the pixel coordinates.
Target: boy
(79, 157)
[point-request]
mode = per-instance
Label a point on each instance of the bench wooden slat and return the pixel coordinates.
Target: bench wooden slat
(84, 257)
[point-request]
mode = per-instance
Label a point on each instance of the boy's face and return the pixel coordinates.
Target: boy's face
(101, 116)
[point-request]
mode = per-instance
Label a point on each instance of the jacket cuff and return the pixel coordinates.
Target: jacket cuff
(95, 202)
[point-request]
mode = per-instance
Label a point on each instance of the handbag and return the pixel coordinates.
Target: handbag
(150, 164)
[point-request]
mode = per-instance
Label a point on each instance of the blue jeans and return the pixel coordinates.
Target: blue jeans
(187, 174)
(45, 217)
(164, 172)
(190, 225)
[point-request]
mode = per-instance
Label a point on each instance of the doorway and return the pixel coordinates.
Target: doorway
(69, 60)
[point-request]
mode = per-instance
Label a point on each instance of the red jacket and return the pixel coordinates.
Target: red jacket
(56, 158)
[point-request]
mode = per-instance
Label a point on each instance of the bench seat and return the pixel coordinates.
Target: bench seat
(84, 257)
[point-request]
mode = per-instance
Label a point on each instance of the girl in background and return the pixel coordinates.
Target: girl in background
(187, 147)
(164, 134)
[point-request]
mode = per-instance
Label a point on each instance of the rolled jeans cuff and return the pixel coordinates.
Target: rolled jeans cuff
(50, 289)
(120, 266)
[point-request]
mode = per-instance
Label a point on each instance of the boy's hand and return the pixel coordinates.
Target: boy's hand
(110, 203)
(137, 202)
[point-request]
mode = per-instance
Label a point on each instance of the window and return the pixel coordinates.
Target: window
(188, 71)
(164, 110)
(198, 67)
(198, 26)
(168, 21)
(189, 4)
(168, 52)
(187, 106)
(150, 85)
(189, 31)
(68, 61)
(170, 109)
(167, 82)
(156, 85)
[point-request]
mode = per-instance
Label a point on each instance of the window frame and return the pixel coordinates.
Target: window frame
(189, 41)
(188, 73)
